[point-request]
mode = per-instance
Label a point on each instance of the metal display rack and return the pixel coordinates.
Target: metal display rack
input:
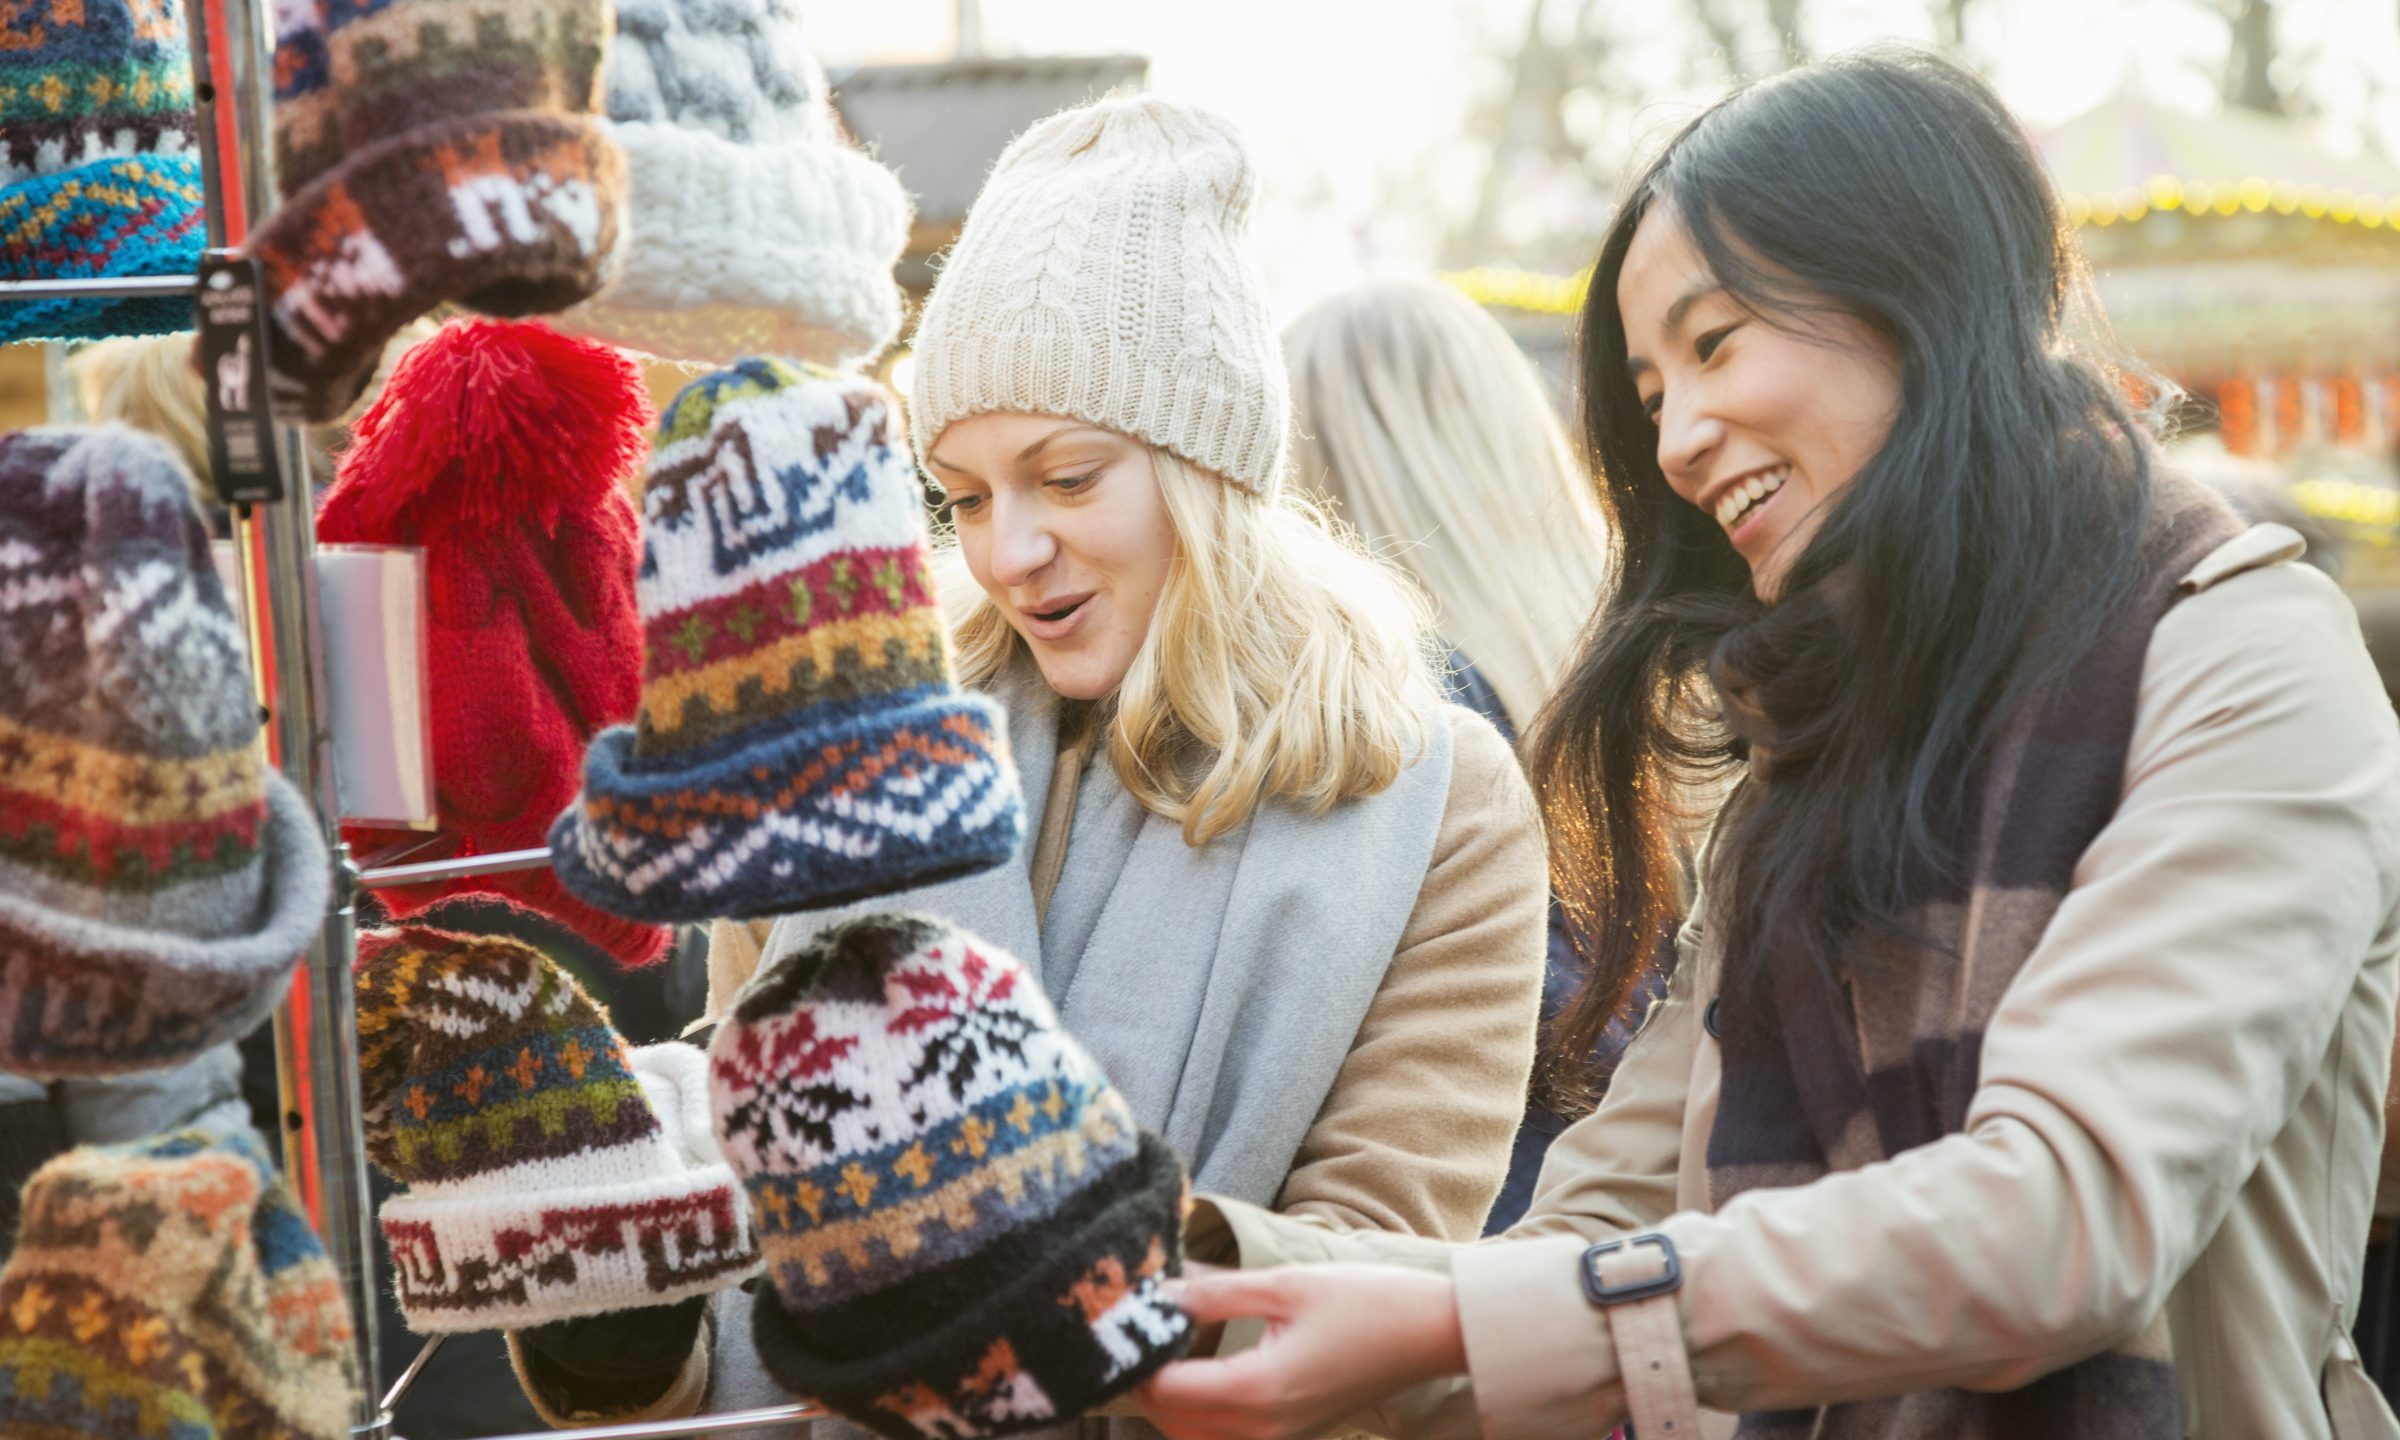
(316, 1032)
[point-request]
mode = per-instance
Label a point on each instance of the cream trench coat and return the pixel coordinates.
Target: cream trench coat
(2180, 1106)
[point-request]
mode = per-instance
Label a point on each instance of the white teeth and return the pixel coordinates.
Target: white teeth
(1740, 498)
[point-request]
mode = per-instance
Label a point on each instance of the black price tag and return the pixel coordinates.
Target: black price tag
(233, 364)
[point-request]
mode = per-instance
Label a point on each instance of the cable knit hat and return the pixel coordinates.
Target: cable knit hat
(964, 1227)
(506, 450)
(1101, 276)
(157, 880)
(429, 151)
(552, 1170)
(800, 741)
(97, 175)
(757, 229)
(171, 1288)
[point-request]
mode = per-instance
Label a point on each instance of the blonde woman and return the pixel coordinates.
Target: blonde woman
(1429, 431)
(1291, 898)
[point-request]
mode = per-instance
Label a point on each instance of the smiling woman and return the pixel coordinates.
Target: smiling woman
(2021, 1068)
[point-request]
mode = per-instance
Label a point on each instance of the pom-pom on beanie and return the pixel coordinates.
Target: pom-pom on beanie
(553, 1170)
(505, 449)
(98, 178)
(171, 1288)
(1101, 277)
(801, 742)
(430, 151)
(964, 1226)
(158, 881)
(757, 229)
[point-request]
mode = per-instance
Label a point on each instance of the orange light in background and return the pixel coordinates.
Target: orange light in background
(2289, 413)
(2349, 412)
(2237, 416)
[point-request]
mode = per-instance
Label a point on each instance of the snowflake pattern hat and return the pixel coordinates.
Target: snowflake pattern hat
(964, 1226)
(98, 178)
(800, 742)
(171, 1288)
(756, 228)
(553, 1171)
(430, 151)
(158, 881)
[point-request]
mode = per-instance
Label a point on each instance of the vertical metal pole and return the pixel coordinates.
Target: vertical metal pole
(316, 1030)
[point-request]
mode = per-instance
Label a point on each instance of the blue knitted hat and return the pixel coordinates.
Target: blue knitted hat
(98, 178)
(800, 743)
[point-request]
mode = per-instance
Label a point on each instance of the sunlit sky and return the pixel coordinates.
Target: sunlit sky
(1344, 99)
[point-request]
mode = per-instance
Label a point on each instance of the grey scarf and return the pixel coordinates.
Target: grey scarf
(1219, 987)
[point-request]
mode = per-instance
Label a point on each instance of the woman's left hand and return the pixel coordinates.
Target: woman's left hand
(1339, 1338)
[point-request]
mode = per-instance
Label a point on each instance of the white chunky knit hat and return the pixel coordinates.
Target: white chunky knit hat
(1101, 277)
(757, 228)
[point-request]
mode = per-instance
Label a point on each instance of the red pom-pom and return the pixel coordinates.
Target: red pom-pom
(491, 420)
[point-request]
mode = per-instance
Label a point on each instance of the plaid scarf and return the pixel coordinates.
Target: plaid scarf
(1820, 1079)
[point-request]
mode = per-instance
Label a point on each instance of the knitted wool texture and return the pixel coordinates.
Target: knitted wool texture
(800, 740)
(171, 1288)
(965, 1227)
(97, 174)
(506, 451)
(756, 228)
(1101, 276)
(552, 1170)
(430, 151)
(157, 880)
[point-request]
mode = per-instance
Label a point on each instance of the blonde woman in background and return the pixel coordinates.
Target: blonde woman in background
(1431, 434)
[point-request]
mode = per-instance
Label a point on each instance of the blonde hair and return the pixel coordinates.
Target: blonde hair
(1422, 421)
(148, 382)
(1282, 662)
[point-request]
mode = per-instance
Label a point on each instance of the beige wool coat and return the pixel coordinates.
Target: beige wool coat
(2180, 1106)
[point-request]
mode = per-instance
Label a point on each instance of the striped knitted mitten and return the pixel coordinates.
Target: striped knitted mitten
(965, 1228)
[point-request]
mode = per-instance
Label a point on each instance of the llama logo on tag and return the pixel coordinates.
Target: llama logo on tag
(233, 376)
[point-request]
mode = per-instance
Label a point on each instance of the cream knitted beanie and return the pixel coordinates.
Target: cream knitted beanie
(1101, 277)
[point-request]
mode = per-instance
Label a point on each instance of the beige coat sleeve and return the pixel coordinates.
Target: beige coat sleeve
(1414, 1136)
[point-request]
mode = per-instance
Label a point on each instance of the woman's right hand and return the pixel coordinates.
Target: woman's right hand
(1340, 1338)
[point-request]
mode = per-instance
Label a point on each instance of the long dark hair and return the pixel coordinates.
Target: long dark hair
(1986, 539)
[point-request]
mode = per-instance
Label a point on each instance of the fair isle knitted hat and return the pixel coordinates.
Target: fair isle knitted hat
(157, 880)
(553, 1170)
(800, 741)
(171, 1288)
(97, 174)
(1101, 277)
(430, 151)
(964, 1226)
(757, 229)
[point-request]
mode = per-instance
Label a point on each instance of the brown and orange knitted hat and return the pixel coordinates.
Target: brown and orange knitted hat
(431, 151)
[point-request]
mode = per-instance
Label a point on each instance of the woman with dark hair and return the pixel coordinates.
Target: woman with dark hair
(2021, 1073)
